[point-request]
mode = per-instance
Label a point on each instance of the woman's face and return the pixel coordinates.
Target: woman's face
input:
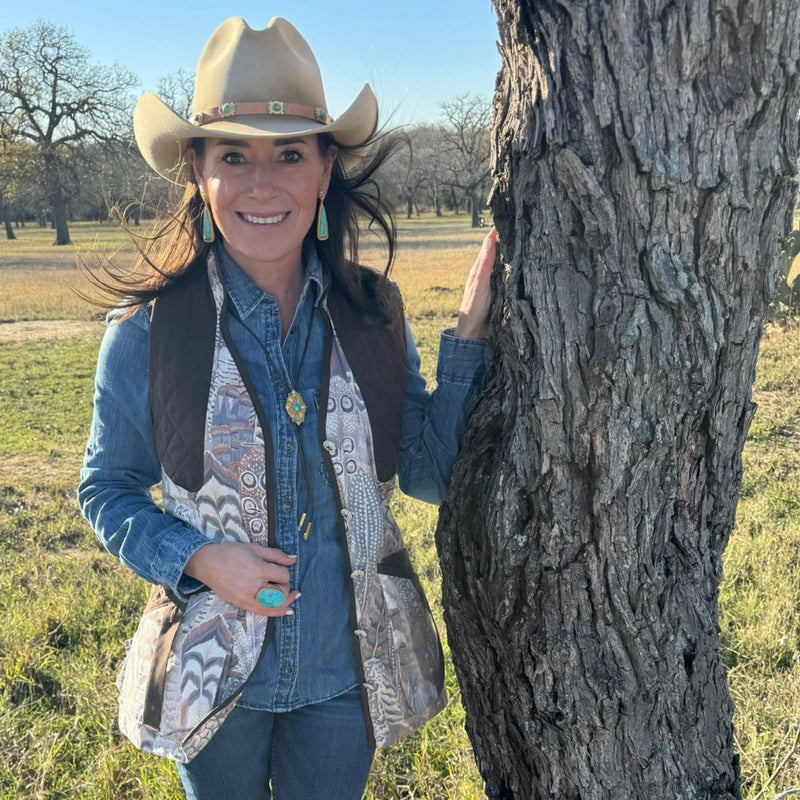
(263, 195)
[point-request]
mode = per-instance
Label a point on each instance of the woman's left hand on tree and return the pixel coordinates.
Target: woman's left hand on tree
(473, 315)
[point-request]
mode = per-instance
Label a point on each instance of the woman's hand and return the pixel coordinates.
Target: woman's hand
(474, 311)
(237, 572)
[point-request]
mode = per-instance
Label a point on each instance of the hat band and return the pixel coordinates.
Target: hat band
(271, 107)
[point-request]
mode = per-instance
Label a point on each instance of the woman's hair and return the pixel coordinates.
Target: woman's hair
(176, 242)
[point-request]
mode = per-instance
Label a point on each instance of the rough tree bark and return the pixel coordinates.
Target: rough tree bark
(644, 160)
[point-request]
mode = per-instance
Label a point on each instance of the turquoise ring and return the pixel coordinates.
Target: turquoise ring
(271, 596)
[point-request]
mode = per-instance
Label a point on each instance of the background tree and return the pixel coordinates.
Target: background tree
(8, 175)
(52, 96)
(176, 89)
(413, 177)
(465, 146)
(110, 174)
(645, 158)
(430, 150)
(20, 181)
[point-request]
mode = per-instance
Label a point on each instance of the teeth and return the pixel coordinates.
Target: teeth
(264, 220)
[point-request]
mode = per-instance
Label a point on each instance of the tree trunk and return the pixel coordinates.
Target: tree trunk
(473, 205)
(7, 222)
(56, 196)
(644, 158)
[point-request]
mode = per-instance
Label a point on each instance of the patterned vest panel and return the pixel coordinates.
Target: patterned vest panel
(188, 662)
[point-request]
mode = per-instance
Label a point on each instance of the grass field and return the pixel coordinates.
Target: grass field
(67, 606)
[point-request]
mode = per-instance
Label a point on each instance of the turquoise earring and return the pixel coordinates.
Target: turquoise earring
(322, 219)
(208, 222)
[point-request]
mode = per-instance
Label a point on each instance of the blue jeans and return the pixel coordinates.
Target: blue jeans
(317, 752)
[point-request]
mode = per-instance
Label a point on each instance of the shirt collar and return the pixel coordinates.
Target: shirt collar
(246, 296)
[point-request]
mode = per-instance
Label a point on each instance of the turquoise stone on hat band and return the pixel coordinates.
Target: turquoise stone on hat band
(271, 597)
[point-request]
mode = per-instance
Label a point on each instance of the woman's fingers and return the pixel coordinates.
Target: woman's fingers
(273, 555)
(237, 572)
(477, 299)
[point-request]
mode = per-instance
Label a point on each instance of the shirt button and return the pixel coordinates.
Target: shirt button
(356, 574)
(288, 669)
(287, 503)
(362, 634)
(289, 447)
(346, 515)
(329, 446)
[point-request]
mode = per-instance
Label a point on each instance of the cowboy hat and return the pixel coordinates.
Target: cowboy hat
(249, 83)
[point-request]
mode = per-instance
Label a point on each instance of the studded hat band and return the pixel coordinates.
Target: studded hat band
(272, 107)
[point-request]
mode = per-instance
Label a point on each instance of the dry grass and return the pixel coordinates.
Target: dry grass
(43, 282)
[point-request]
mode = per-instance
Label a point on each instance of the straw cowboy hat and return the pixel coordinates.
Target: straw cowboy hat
(249, 83)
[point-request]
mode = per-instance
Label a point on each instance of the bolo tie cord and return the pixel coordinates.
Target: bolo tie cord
(307, 517)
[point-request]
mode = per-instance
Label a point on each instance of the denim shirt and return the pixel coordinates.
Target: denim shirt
(311, 656)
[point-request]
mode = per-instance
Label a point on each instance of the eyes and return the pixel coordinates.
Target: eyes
(290, 156)
(285, 155)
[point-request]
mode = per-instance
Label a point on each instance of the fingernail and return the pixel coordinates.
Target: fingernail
(289, 612)
(298, 596)
(294, 556)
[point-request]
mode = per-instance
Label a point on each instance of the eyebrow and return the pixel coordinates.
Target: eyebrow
(245, 144)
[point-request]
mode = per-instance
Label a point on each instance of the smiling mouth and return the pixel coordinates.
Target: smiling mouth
(264, 220)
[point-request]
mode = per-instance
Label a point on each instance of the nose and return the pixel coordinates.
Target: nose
(262, 178)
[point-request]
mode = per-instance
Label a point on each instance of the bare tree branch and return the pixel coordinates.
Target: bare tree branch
(52, 96)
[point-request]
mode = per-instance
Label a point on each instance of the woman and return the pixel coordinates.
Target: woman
(272, 388)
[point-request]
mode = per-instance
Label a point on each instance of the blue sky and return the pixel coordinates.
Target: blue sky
(414, 54)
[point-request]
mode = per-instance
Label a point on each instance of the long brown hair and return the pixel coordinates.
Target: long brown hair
(176, 241)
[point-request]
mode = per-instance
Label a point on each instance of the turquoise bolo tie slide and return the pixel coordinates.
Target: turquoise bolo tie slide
(271, 596)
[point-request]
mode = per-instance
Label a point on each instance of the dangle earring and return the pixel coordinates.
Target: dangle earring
(208, 222)
(322, 219)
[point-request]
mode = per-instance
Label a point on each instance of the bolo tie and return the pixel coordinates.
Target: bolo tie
(295, 409)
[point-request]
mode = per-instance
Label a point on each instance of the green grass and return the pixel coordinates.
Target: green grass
(760, 592)
(44, 402)
(67, 606)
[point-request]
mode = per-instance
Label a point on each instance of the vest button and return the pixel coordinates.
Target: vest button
(329, 446)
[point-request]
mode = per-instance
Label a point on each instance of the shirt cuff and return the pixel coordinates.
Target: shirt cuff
(460, 360)
(174, 551)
